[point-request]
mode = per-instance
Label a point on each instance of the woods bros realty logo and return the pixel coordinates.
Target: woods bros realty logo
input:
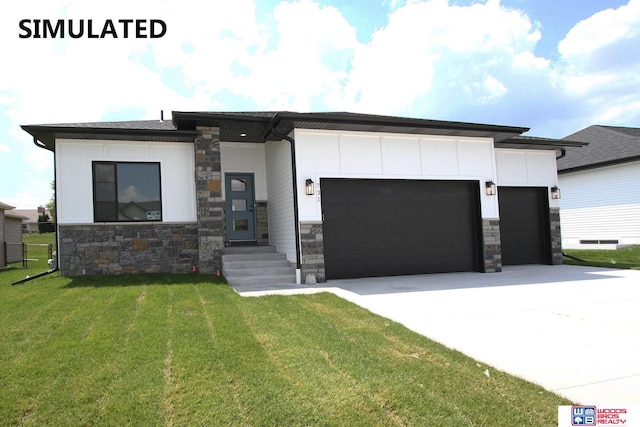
(590, 415)
(87, 28)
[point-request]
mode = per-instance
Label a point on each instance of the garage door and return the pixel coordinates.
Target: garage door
(394, 227)
(524, 225)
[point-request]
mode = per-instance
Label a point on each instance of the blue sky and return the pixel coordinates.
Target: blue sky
(554, 66)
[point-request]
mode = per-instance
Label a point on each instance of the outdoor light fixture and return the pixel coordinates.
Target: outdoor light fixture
(555, 192)
(490, 188)
(310, 187)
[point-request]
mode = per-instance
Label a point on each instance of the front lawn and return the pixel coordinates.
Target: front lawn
(628, 257)
(182, 350)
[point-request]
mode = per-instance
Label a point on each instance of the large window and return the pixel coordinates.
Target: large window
(126, 191)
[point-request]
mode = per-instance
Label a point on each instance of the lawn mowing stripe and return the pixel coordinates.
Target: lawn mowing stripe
(306, 354)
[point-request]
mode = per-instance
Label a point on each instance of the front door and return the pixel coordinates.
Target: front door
(240, 204)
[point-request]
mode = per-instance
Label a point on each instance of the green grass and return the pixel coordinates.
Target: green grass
(187, 350)
(628, 258)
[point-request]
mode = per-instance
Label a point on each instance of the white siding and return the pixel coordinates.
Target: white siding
(74, 176)
(280, 190)
(326, 154)
(245, 158)
(601, 204)
(527, 168)
(13, 237)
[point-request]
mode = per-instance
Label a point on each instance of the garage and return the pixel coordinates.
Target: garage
(524, 225)
(381, 227)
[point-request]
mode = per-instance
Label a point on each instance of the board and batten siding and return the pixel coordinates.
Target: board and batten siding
(280, 190)
(74, 186)
(330, 154)
(601, 204)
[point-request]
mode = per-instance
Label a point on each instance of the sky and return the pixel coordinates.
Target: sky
(553, 66)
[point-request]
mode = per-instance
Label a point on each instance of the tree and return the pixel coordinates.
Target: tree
(51, 206)
(44, 225)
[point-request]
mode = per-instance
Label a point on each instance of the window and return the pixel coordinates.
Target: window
(126, 191)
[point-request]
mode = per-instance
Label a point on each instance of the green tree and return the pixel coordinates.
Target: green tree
(51, 206)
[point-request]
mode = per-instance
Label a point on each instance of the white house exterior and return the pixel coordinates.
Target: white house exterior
(601, 189)
(340, 194)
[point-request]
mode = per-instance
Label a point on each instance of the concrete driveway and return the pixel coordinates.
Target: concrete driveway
(573, 330)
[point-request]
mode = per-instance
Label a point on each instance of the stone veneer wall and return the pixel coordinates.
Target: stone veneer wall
(556, 236)
(127, 248)
(210, 206)
(262, 223)
(491, 245)
(312, 248)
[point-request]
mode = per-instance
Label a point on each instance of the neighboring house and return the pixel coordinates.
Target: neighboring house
(340, 194)
(30, 223)
(601, 189)
(10, 235)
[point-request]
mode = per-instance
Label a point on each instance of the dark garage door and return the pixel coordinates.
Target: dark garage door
(524, 225)
(376, 227)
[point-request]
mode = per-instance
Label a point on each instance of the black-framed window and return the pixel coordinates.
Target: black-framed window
(126, 191)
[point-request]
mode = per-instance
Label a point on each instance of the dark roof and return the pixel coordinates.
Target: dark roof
(257, 125)
(260, 126)
(140, 130)
(608, 145)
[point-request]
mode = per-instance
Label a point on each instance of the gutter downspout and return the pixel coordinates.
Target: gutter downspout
(294, 173)
(39, 144)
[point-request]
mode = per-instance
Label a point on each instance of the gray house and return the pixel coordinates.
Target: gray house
(10, 235)
(332, 195)
(601, 189)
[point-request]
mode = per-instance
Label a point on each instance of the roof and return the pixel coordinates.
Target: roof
(31, 215)
(139, 130)
(261, 126)
(14, 215)
(608, 145)
(4, 206)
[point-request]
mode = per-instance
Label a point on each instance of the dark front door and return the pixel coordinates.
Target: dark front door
(524, 225)
(375, 227)
(240, 205)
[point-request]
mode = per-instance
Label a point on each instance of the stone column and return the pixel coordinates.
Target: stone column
(556, 236)
(312, 248)
(211, 226)
(491, 245)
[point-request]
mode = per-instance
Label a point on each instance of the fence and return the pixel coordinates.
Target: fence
(25, 252)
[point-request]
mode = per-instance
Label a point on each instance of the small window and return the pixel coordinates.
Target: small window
(126, 191)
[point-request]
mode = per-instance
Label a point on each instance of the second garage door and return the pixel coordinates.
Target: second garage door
(376, 227)
(524, 225)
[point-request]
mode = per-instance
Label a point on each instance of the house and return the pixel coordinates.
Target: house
(601, 189)
(10, 235)
(339, 195)
(31, 224)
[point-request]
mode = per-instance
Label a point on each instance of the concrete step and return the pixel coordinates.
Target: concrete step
(257, 271)
(260, 280)
(240, 250)
(255, 265)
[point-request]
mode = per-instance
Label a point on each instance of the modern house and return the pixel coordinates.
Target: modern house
(339, 195)
(10, 235)
(601, 189)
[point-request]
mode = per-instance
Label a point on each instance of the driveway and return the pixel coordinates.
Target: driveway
(573, 330)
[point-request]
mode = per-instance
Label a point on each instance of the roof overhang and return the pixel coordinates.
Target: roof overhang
(536, 143)
(599, 165)
(259, 127)
(46, 135)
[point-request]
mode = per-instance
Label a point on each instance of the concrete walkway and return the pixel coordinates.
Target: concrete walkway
(573, 330)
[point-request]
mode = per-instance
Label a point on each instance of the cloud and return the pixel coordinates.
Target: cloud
(599, 65)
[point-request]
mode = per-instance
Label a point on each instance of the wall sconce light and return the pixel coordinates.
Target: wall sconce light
(555, 192)
(310, 187)
(490, 188)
